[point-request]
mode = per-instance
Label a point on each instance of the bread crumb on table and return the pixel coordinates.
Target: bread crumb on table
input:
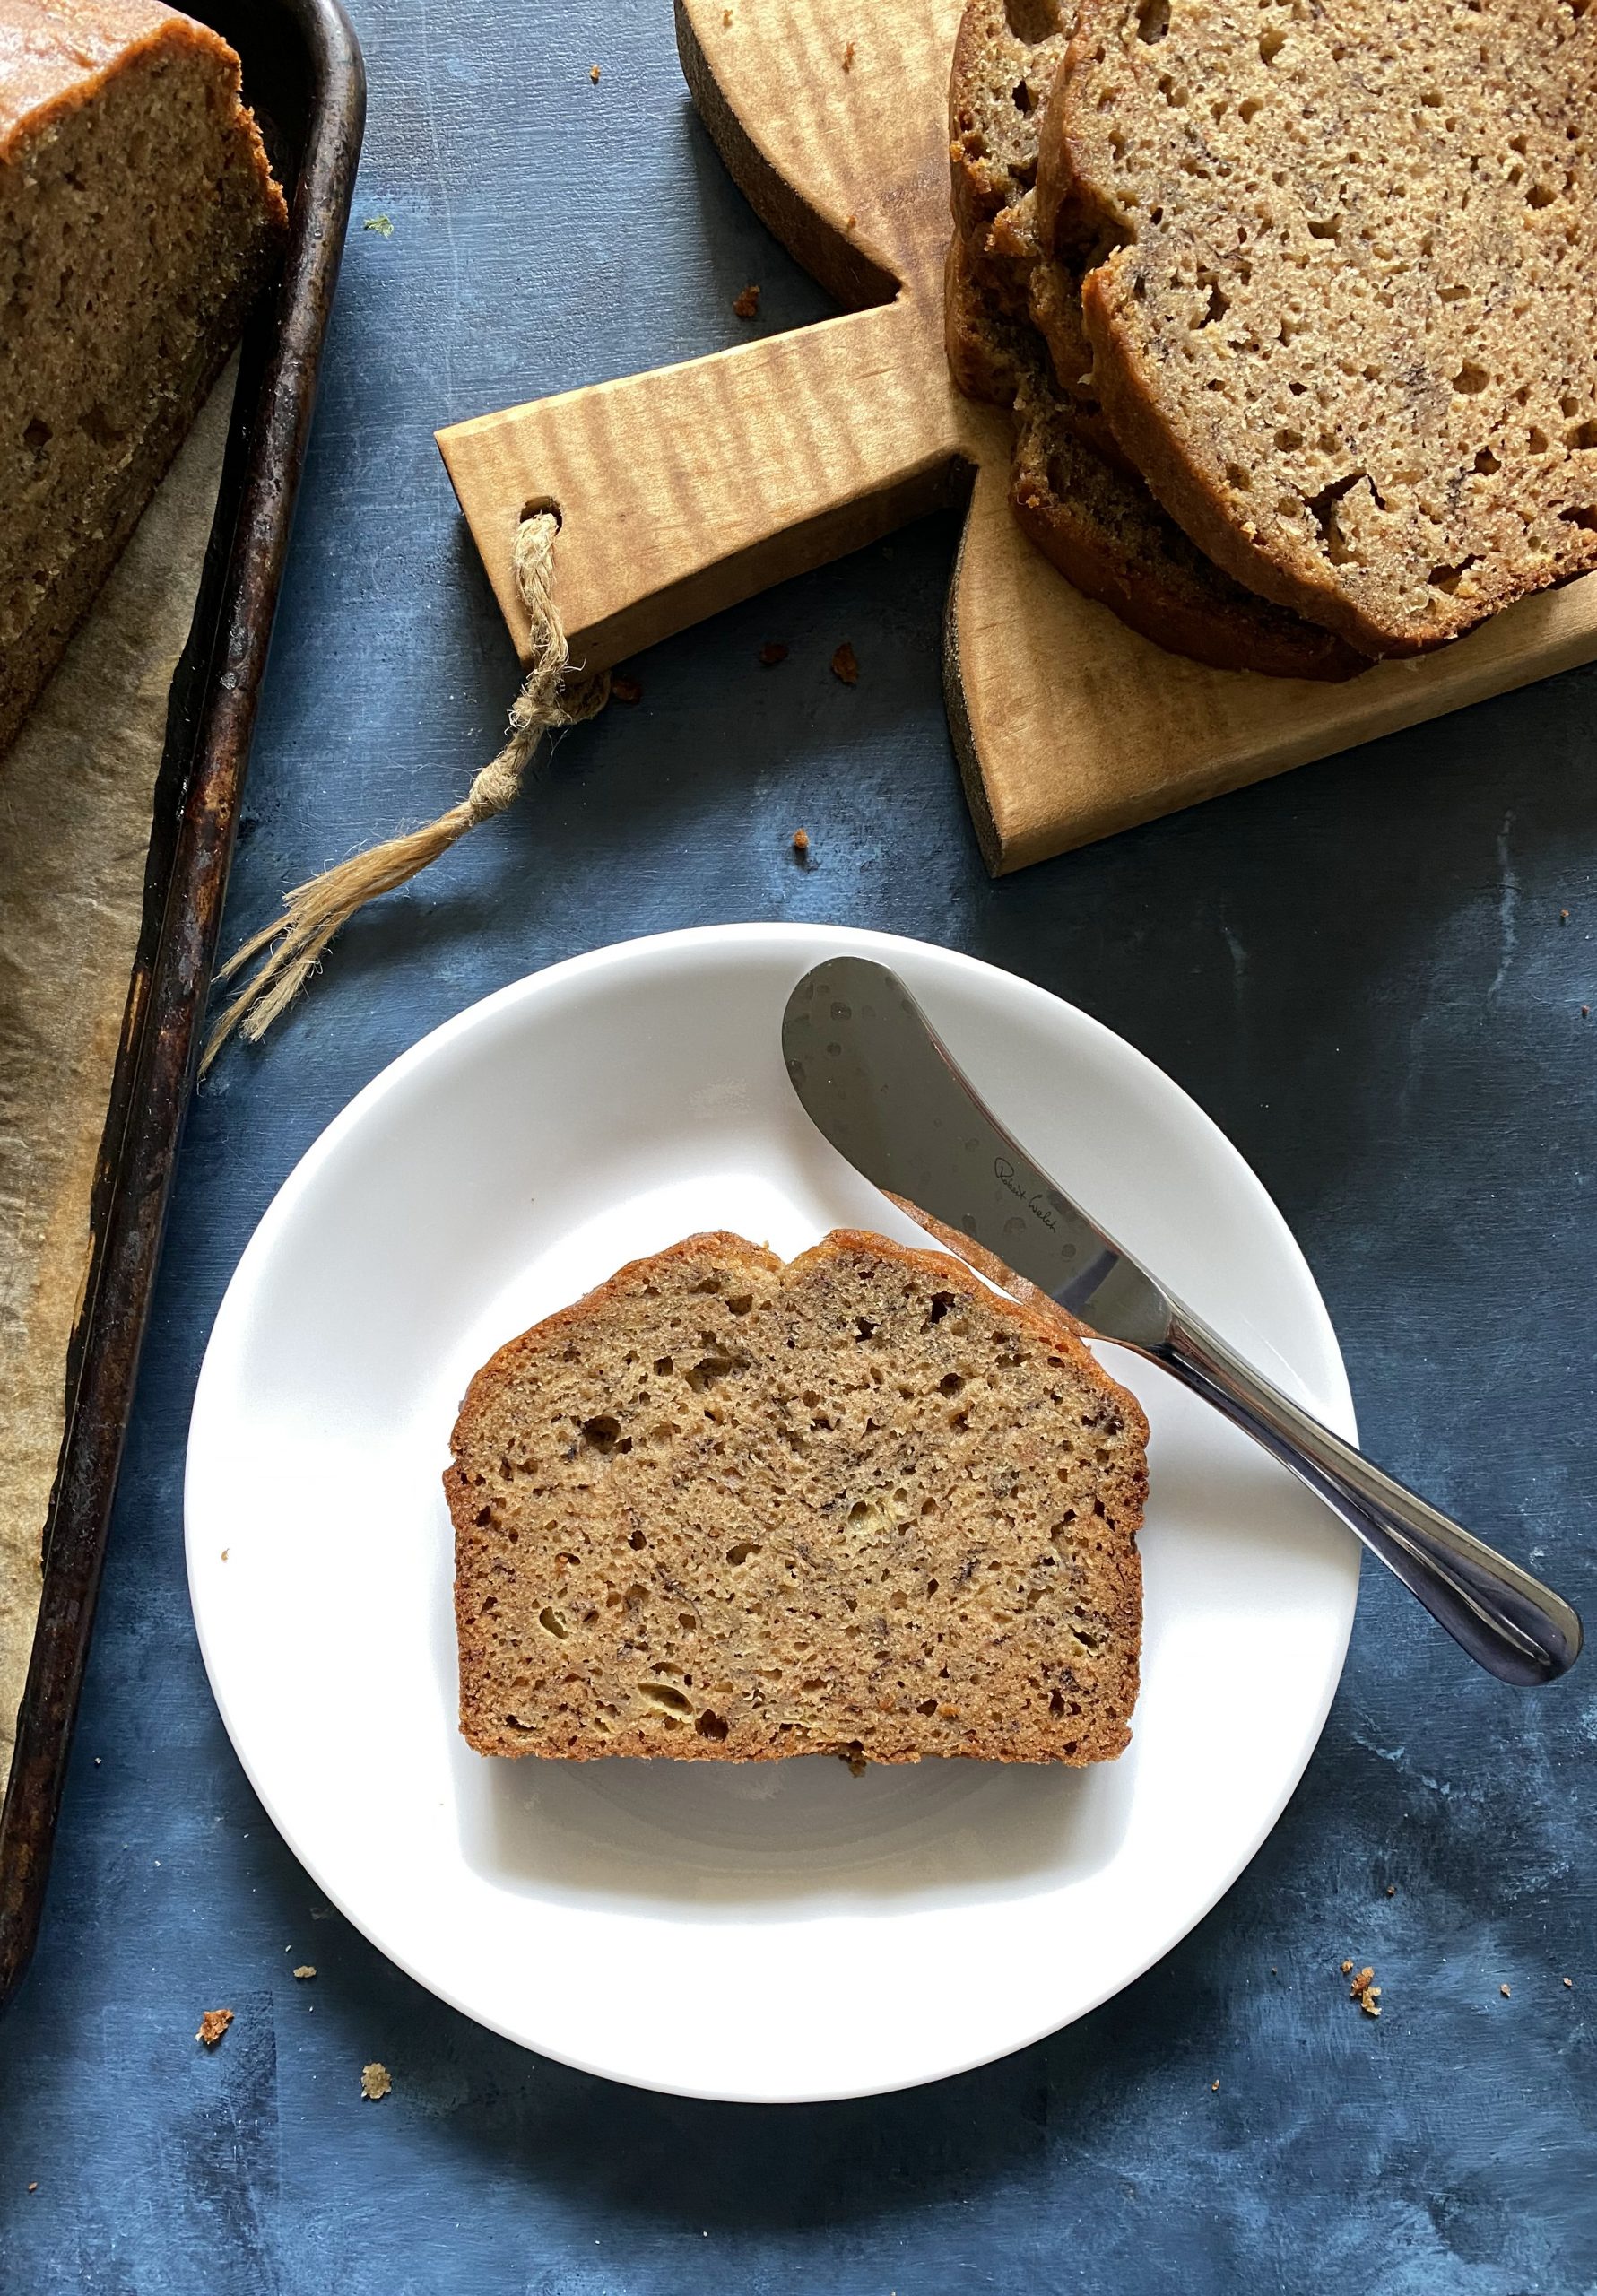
(772, 652)
(1563, 917)
(383, 225)
(33, 2188)
(375, 2082)
(1503, 1990)
(625, 689)
(1391, 1889)
(213, 2025)
(1569, 1981)
(746, 306)
(846, 665)
(594, 73)
(1213, 2085)
(1363, 1989)
(305, 1969)
(801, 842)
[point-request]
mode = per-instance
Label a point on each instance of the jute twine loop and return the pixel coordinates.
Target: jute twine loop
(551, 697)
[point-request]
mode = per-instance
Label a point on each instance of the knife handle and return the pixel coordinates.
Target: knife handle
(1509, 1623)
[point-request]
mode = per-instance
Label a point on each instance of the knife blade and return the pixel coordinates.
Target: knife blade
(877, 1080)
(873, 1075)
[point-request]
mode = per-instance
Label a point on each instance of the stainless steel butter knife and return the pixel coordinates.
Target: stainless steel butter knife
(874, 1075)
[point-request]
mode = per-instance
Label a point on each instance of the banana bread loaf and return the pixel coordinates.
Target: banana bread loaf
(138, 219)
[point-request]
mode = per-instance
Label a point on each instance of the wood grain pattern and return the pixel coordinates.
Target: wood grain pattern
(684, 489)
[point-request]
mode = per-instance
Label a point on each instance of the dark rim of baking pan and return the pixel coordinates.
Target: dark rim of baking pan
(303, 76)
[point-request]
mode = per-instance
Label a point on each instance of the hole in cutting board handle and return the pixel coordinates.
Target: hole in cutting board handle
(536, 505)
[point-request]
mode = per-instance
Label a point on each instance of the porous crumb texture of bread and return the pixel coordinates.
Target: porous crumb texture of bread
(1344, 313)
(1103, 531)
(728, 1509)
(986, 349)
(1093, 518)
(1006, 55)
(1054, 306)
(138, 219)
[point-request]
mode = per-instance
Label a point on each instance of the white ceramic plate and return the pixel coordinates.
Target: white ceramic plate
(783, 1931)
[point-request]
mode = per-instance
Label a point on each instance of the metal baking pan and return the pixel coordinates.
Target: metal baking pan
(304, 78)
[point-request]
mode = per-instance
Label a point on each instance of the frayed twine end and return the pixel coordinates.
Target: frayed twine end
(290, 948)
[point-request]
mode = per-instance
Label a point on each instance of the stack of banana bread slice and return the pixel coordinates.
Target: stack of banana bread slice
(1295, 303)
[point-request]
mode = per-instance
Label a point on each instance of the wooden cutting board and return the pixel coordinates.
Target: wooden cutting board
(688, 488)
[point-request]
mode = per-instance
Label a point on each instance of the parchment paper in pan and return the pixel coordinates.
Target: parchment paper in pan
(75, 801)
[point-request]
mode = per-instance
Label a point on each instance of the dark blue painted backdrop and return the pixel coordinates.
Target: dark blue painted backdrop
(1359, 970)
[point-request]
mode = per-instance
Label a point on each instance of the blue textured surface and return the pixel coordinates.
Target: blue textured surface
(1359, 969)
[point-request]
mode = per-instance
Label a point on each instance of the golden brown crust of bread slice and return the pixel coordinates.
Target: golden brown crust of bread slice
(998, 1272)
(1097, 523)
(1108, 535)
(1347, 320)
(725, 1508)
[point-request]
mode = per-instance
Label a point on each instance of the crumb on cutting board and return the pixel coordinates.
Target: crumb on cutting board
(213, 2025)
(848, 57)
(746, 306)
(846, 665)
(375, 2083)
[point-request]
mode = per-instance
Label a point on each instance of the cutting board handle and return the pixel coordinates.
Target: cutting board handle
(686, 488)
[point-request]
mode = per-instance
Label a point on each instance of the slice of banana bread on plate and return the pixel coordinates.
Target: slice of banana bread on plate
(726, 1508)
